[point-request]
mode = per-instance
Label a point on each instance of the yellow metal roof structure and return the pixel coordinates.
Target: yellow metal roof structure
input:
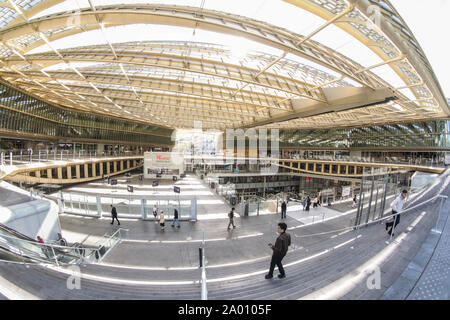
(176, 83)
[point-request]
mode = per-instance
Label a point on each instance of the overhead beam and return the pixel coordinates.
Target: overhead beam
(339, 99)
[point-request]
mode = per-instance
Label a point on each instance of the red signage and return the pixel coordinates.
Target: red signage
(308, 179)
(162, 158)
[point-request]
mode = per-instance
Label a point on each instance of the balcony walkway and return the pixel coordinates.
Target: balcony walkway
(155, 264)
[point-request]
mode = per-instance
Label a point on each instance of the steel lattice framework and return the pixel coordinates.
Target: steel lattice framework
(175, 84)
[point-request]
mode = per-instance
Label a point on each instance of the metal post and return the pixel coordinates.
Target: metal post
(1, 158)
(359, 211)
(21, 153)
(376, 200)
(439, 213)
(383, 200)
(200, 256)
(99, 206)
(54, 256)
(370, 200)
(39, 158)
(10, 158)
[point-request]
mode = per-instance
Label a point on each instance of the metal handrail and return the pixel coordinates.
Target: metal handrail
(61, 248)
(374, 221)
(204, 294)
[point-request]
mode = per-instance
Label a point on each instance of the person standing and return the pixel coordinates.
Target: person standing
(308, 203)
(175, 218)
(114, 215)
(304, 204)
(397, 207)
(283, 210)
(279, 251)
(355, 202)
(231, 216)
(162, 220)
(155, 212)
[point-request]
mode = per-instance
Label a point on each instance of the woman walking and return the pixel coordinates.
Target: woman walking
(161, 220)
(155, 212)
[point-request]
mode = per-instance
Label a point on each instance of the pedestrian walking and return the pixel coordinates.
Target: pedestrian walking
(397, 207)
(308, 203)
(355, 201)
(231, 221)
(279, 250)
(155, 212)
(162, 223)
(304, 204)
(114, 215)
(283, 210)
(175, 218)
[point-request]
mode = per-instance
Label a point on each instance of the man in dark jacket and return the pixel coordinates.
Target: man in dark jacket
(175, 218)
(114, 215)
(283, 210)
(231, 221)
(308, 203)
(279, 251)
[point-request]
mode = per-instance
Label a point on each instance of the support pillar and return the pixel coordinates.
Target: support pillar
(77, 171)
(99, 206)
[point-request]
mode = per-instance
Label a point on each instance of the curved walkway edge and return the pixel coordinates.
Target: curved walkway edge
(427, 276)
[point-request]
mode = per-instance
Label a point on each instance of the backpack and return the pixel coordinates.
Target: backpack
(230, 215)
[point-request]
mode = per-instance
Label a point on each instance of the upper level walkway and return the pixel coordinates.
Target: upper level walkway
(69, 171)
(92, 168)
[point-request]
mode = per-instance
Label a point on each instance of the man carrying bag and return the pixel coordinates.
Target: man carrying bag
(397, 207)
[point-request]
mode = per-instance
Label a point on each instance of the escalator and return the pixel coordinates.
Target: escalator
(17, 247)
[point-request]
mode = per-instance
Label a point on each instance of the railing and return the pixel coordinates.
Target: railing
(127, 206)
(204, 294)
(380, 220)
(25, 156)
(27, 251)
(393, 160)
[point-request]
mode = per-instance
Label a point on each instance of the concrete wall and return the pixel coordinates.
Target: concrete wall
(32, 218)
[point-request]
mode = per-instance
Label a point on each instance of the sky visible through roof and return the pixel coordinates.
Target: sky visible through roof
(427, 20)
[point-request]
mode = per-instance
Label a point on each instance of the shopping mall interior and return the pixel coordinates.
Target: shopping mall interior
(165, 116)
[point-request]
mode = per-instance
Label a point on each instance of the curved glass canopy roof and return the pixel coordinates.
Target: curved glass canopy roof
(310, 64)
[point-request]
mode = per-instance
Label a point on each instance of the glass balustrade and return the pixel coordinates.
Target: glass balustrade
(15, 248)
(133, 207)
